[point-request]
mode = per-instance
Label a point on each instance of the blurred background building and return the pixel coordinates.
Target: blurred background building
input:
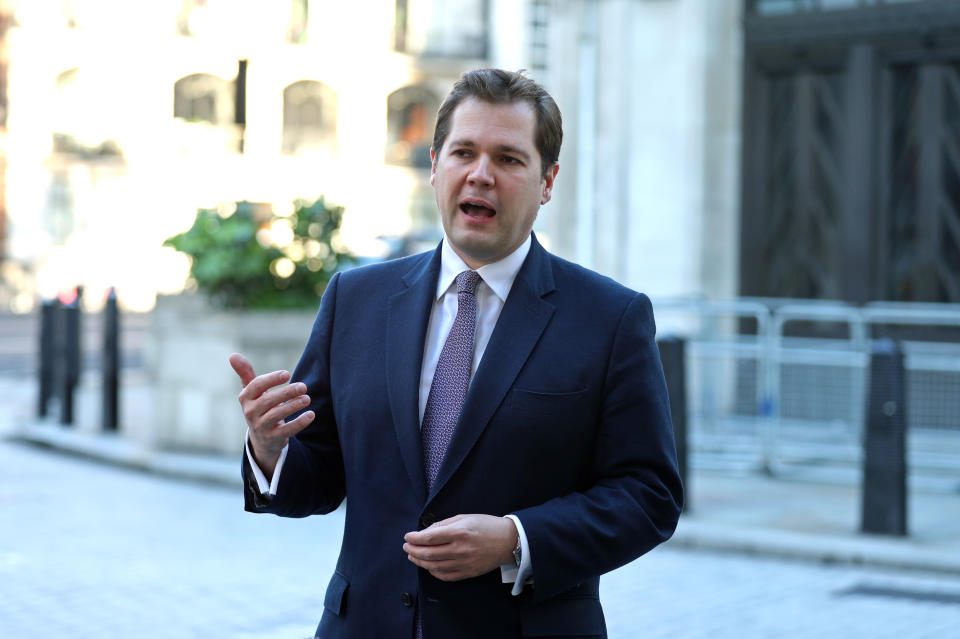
(126, 117)
(788, 148)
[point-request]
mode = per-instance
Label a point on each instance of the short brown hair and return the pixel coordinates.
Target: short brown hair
(497, 86)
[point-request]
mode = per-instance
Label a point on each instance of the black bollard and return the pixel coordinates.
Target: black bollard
(70, 357)
(674, 371)
(111, 361)
(47, 353)
(884, 509)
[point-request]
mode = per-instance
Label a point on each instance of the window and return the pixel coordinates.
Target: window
(202, 97)
(309, 117)
(77, 116)
(411, 116)
(441, 28)
(778, 7)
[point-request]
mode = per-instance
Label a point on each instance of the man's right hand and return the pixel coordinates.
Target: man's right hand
(265, 405)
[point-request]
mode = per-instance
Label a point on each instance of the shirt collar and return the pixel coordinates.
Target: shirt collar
(497, 275)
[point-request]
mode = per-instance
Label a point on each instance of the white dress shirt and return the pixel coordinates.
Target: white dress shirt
(496, 281)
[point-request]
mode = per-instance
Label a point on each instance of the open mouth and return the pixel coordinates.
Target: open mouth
(472, 209)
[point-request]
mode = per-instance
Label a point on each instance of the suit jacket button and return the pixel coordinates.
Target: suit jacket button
(427, 520)
(406, 599)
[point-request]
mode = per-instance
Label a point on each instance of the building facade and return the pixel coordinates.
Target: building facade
(125, 118)
(797, 148)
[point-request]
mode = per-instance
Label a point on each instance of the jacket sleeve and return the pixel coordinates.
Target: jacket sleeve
(636, 496)
(312, 479)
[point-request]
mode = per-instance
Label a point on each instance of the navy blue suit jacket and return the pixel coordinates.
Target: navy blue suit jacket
(566, 424)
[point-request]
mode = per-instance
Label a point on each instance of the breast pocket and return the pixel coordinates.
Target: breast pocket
(548, 403)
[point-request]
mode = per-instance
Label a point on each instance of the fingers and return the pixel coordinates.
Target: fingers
(274, 436)
(427, 546)
(262, 383)
(285, 430)
(437, 533)
(242, 366)
(447, 562)
(293, 427)
(446, 552)
(280, 403)
(462, 546)
(269, 411)
(444, 570)
(266, 404)
(254, 386)
(268, 441)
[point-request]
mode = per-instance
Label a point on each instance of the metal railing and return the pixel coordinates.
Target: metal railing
(776, 384)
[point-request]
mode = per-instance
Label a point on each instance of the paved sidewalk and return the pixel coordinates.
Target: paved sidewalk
(100, 551)
(806, 518)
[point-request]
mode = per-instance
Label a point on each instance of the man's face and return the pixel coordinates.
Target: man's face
(488, 180)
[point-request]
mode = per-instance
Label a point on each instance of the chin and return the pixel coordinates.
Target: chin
(478, 252)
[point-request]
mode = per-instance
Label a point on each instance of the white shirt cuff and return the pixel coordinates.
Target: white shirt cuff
(520, 575)
(266, 487)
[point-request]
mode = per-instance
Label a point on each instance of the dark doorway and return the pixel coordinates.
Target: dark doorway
(851, 150)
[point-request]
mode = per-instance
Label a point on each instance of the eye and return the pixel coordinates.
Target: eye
(462, 153)
(509, 159)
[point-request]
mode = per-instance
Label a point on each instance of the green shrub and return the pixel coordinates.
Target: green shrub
(247, 261)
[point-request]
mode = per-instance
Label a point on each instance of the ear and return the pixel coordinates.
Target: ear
(548, 183)
(433, 165)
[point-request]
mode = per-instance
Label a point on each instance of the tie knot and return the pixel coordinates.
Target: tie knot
(467, 282)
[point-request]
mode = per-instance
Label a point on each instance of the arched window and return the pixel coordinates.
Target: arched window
(411, 116)
(202, 97)
(79, 125)
(309, 117)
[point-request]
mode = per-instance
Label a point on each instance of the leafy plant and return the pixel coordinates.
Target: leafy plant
(249, 261)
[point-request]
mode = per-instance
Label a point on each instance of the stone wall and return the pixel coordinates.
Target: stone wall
(648, 190)
(195, 389)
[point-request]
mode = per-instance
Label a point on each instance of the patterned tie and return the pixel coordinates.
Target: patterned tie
(451, 379)
(449, 387)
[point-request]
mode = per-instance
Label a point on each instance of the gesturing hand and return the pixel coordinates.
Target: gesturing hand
(265, 407)
(463, 546)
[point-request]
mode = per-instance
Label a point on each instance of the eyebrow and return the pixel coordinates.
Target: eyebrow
(502, 148)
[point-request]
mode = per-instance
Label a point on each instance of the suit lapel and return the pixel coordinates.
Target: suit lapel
(407, 316)
(523, 319)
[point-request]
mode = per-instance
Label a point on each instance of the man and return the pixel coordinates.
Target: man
(497, 416)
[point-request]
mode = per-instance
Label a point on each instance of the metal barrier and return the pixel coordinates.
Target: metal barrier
(817, 385)
(727, 396)
(763, 397)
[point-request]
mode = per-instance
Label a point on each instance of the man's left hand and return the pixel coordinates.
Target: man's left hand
(463, 546)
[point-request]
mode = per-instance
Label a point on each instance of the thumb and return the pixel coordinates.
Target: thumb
(242, 367)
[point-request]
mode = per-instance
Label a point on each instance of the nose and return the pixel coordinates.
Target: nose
(480, 174)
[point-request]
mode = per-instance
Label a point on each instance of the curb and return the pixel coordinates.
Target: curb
(853, 550)
(693, 533)
(114, 450)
